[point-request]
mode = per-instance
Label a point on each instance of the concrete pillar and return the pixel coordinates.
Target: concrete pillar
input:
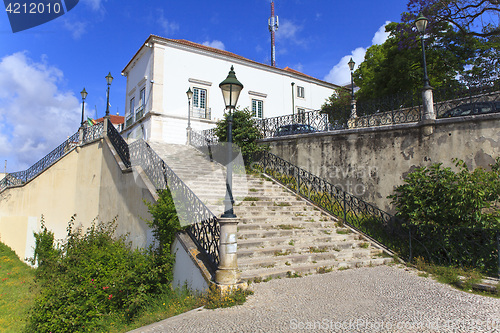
(80, 135)
(189, 130)
(428, 104)
(105, 128)
(227, 272)
(353, 115)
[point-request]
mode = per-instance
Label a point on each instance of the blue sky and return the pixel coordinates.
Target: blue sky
(43, 69)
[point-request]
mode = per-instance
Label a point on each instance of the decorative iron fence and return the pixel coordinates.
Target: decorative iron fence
(466, 247)
(303, 122)
(204, 228)
(448, 99)
(119, 143)
(22, 177)
(90, 133)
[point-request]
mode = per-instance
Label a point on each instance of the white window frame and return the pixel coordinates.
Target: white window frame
(200, 101)
(142, 97)
(255, 108)
(301, 92)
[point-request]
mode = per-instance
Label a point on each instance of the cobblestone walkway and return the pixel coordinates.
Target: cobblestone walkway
(370, 299)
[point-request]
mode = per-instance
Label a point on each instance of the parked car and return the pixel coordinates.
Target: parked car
(294, 129)
(472, 109)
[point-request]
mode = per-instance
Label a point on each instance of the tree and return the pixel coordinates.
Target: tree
(338, 107)
(478, 18)
(245, 133)
(395, 67)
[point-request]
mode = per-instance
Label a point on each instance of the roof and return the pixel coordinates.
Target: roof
(115, 120)
(214, 50)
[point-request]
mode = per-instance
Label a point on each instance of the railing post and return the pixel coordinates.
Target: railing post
(498, 252)
(227, 272)
(80, 135)
(428, 104)
(344, 209)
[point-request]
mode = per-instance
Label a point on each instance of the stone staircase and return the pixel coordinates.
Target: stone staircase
(279, 234)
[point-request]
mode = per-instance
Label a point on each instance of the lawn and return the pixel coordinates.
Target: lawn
(16, 290)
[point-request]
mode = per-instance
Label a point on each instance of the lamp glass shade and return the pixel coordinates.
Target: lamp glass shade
(351, 64)
(421, 23)
(231, 89)
(109, 78)
(84, 93)
(189, 93)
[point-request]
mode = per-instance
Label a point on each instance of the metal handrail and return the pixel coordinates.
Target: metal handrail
(204, 228)
(119, 144)
(465, 246)
(90, 133)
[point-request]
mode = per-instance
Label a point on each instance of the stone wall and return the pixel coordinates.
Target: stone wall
(88, 182)
(370, 162)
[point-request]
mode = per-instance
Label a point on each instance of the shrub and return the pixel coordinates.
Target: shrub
(245, 134)
(440, 196)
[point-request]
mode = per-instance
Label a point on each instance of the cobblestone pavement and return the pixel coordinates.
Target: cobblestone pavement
(371, 299)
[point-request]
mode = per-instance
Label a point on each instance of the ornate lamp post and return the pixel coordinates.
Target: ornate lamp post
(189, 94)
(109, 79)
(351, 64)
(231, 89)
(427, 97)
(84, 96)
(421, 24)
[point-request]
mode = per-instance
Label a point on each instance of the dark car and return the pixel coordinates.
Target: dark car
(294, 129)
(472, 109)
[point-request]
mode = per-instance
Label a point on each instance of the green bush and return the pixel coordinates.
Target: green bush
(94, 274)
(440, 196)
(245, 134)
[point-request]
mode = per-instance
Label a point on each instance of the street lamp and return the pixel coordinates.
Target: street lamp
(351, 64)
(189, 94)
(84, 95)
(421, 24)
(109, 79)
(231, 89)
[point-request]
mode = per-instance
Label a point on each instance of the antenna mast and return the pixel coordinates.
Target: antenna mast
(273, 26)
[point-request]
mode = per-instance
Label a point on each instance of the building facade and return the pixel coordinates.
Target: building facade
(162, 70)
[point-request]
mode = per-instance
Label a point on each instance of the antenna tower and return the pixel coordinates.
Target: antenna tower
(273, 26)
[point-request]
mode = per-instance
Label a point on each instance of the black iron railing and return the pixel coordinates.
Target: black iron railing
(22, 177)
(119, 144)
(304, 122)
(91, 133)
(447, 99)
(466, 247)
(204, 228)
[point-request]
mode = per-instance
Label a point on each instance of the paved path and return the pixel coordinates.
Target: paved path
(370, 299)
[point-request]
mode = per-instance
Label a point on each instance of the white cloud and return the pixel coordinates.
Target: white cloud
(381, 35)
(76, 28)
(340, 73)
(95, 5)
(288, 31)
(167, 26)
(216, 44)
(35, 114)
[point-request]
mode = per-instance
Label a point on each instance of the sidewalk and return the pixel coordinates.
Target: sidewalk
(370, 299)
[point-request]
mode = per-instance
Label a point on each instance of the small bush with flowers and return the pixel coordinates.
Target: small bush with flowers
(91, 275)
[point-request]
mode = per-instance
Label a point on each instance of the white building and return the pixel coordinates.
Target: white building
(162, 70)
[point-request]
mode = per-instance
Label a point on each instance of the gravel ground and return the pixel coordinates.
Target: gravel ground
(371, 299)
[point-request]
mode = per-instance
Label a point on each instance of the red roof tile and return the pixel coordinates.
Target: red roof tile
(115, 120)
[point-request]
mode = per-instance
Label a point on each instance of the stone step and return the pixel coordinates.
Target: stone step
(293, 233)
(298, 270)
(302, 240)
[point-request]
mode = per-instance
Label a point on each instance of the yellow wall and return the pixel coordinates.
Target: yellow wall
(87, 182)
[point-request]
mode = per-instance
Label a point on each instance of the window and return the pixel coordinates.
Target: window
(199, 98)
(132, 106)
(257, 108)
(300, 92)
(142, 97)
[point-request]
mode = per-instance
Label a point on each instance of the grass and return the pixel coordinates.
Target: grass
(251, 199)
(288, 227)
(324, 269)
(291, 275)
(460, 278)
(314, 249)
(16, 290)
(343, 231)
(282, 204)
(291, 242)
(282, 253)
(364, 245)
